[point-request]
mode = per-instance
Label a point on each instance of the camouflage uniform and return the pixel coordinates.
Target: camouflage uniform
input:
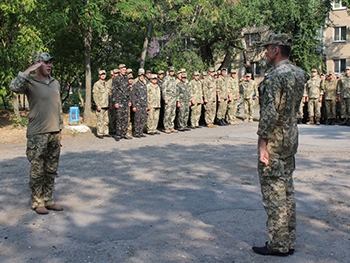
(209, 93)
(196, 92)
(43, 138)
(153, 102)
(250, 89)
(184, 110)
(111, 112)
(344, 93)
(330, 97)
(281, 92)
(100, 93)
(313, 91)
(121, 96)
(139, 101)
(233, 91)
(222, 91)
(171, 94)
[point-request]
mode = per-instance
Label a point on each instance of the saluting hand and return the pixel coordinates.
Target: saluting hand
(33, 67)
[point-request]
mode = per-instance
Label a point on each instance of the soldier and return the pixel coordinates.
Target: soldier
(313, 95)
(100, 93)
(43, 131)
(344, 97)
(121, 100)
(209, 94)
(222, 97)
(129, 73)
(130, 112)
(330, 97)
(196, 92)
(153, 102)
(160, 75)
(111, 112)
(250, 93)
(233, 97)
(139, 104)
(281, 91)
(183, 103)
(170, 97)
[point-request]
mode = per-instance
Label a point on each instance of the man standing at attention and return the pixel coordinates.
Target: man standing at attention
(313, 95)
(250, 92)
(43, 132)
(344, 96)
(281, 91)
(100, 93)
(209, 94)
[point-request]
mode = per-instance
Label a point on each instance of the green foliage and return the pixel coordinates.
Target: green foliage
(18, 122)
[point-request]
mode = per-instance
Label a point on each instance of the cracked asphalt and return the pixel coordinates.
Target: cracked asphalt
(186, 197)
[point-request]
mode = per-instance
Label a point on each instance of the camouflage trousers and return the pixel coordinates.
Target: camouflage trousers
(210, 112)
(140, 119)
(102, 122)
(112, 120)
(195, 114)
(345, 108)
(314, 108)
(129, 129)
(301, 110)
(277, 190)
(43, 152)
(169, 115)
(222, 109)
(183, 115)
(231, 111)
(330, 109)
(152, 119)
(248, 108)
(121, 124)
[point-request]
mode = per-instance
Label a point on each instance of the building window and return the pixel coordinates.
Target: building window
(338, 4)
(339, 65)
(339, 34)
(256, 68)
(252, 39)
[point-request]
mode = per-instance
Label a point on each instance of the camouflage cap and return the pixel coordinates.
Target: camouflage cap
(129, 70)
(211, 70)
(160, 72)
(122, 66)
(183, 75)
(112, 72)
(196, 73)
(204, 73)
(115, 71)
(183, 70)
(179, 72)
(130, 76)
(42, 57)
(100, 72)
(233, 71)
(148, 71)
(347, 68)
(171, 68)
(313, 70)
(279, 39)
(141, 71)
(153, 76)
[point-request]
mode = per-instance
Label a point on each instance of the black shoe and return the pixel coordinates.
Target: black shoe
(198, 127)
(107, 135)
(267, 252)
(226, 122)
(116, 138)
(156, 133)
(137, 135)
(221, 123)
(187, 129)
(150, 133)
(142, 135)
(291, 251)
(99, 136)
(181, 129)
(126, 137)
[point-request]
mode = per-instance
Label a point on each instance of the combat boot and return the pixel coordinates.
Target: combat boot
(311, 121)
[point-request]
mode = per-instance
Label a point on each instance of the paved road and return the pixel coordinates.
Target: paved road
(187, 197)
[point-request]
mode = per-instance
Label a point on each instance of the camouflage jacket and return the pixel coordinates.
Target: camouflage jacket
(100, 94)
(196, 91)
(139, 95)
(209, 89)
(184, 93)
(250, 88)
(121, 90)
(221, 87)
(344, 87)
(313, 88)
(153, 95)
(233, 87)
(281, 91)
(44, 99)
(169, 91)
(330, 89)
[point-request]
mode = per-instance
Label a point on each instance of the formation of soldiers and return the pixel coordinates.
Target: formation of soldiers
(129, 107)
(327, 98)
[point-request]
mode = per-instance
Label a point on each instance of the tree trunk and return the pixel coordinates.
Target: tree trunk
(87, 106)
(15, 105)
(145, 44)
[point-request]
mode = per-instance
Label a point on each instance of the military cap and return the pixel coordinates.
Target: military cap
(115, 71)
(179, 72)
(122, 66)
(141, 71)
(171, 68)
(129, 70)
(347, 68)
(211, 70)
(130, 76)
(204, 73)
(160, 72)
(148, 71)
(196, 73)
(279, 39)
(153, 76)
(101, 72)
(233, 71)
(42, 57)
(313, 70)
(183, 75)
(111, 72)
(248, 74)
(183, 70)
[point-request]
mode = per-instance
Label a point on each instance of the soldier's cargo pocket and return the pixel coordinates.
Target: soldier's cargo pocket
(275, 169)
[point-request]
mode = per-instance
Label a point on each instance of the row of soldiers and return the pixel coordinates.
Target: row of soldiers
(123, 100)
(322, 94)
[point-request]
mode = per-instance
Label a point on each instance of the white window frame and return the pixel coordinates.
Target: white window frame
(340, 5)
(339, 29)
(339, 65)
(256, 65)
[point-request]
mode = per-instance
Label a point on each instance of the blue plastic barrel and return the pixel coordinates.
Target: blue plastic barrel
(74, 115)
